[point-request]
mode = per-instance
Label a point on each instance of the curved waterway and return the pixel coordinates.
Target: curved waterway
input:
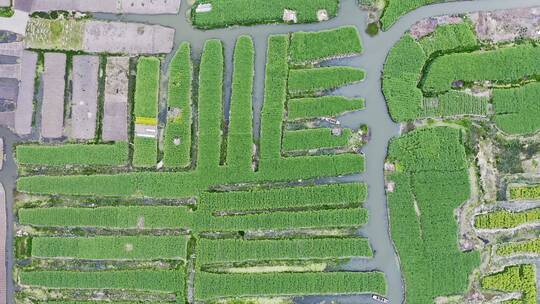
(375, 114)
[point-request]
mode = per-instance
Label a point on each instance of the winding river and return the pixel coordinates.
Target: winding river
(375, 115)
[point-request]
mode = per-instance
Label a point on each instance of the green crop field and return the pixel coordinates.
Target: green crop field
(226, 13)
(505, 219)
(524, 247)
(431, 182)
(517, 278)
(207, 193)
(440, 76)
(177, 154)
(525, 192)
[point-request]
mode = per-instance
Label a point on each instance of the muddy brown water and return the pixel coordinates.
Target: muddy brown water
(375, 115)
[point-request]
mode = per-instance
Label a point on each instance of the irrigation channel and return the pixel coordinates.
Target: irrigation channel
(375, 115)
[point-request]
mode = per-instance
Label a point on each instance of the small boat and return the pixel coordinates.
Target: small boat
(379, 298)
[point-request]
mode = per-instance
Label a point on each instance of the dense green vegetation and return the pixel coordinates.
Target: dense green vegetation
(505, 65)
(237, 250)
(525, 192)
(149, 217)
(432, 181)
(146, 106)
(520, 278)
(240, 138)
(147, 87)
(210, 105)
(209, 285)
(350, 194)
(73, 154)
(314, 107)
(111, 248)
(318, 46)
(159, 280)
(402, 72)
(238, 214)
(441, 75)
(526, 247)
(144, 152)
(307, 139)
(517, 110)
(226, 13)
(506, 219)
(179, 118)
(320, 79)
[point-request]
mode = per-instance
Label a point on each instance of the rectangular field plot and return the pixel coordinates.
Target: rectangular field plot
(192, 188)
(111, 248)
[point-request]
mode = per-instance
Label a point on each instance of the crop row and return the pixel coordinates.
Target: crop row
(147, 217)
(226, 13)
(111, 247)
(209, 285)
(394, 9)
(147, 87)
(177, 154)
(525, 192)
(309, 47)
(287, 197)
(275, 96)
(108, 217)
(146, 103)
(73, 154)
(240, 132)
(210, 105)
(320, 79)
(506, 219)
(314, 107)
(450, 38)
(159, 280)
(431, 183)
(306, 139)
(239, 250)
(456, 103)
(526, 247)
(517, 278)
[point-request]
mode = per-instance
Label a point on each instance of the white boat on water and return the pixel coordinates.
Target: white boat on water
(379, 298)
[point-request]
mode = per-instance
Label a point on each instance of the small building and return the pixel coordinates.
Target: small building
(204, 8)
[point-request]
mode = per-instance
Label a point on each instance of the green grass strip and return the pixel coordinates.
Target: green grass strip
(208, 285)
(226, 13)
(308, 139)
(240, 132)
(326, 106)
(111, 247)
(503, 219)
(148, 280)
(147, 87)
(148, 217)
(210, 105)
(320, 79)
(238, 250)
(355, 217)
(289, 197)
(526, 247)
(73, 154)
(275, 96)
(317, 46)
(179, 101)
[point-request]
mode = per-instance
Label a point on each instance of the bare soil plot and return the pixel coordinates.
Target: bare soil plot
(108, 6)
(84, 98)
(52, 111)
(115, 112)
(23, 113)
